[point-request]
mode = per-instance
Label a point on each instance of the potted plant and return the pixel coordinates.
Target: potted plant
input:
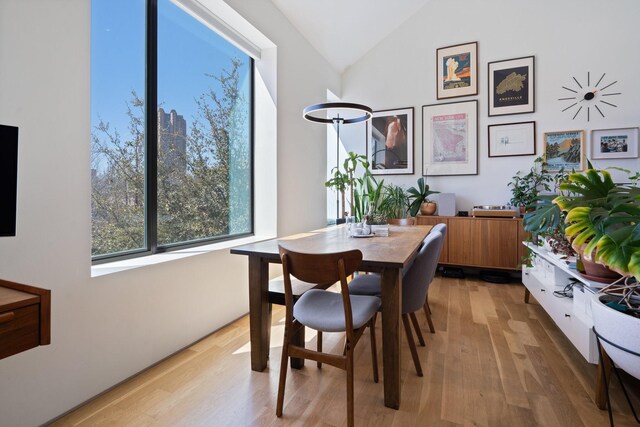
(525, 188)
(395, 202)
(378, 223)
(339, 182)
(367, 196)
(601, 218)
(603, 226)
(343, 181)
(545, 220)
(368, 199)
(419, 199)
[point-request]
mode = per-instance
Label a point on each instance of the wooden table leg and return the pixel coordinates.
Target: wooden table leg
(527, 294)
(297, 339)
(601, 397)
(259, 312)
(391, 310)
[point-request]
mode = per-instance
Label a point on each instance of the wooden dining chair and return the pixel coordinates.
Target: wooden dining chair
(325, 311)
(276, 296)
(415, 286)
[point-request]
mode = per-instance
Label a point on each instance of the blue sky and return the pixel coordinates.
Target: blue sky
(187, 51)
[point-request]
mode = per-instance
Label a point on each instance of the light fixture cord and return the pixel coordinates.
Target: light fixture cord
(337, 121)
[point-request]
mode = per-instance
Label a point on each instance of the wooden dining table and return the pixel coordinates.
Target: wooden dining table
(385, 255)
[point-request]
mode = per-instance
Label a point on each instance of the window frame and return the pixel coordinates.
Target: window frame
(151, 154)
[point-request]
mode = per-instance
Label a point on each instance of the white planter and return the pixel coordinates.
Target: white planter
(621, 329)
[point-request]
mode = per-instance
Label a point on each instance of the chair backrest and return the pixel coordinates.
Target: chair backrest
(321, 268)
(442, 228)
(416, 281)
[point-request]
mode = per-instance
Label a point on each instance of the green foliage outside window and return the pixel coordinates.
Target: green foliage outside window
(209, 197)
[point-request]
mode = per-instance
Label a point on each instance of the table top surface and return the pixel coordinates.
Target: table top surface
(11, 299)
(395, 251)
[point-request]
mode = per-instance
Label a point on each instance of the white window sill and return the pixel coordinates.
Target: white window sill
(144, 261)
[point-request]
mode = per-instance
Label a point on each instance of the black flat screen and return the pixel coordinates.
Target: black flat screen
(8, 179)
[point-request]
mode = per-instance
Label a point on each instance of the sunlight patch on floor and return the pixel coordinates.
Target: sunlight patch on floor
(277, 335)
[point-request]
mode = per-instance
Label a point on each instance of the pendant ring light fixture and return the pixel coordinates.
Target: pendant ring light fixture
(348, 106)
(353, 113)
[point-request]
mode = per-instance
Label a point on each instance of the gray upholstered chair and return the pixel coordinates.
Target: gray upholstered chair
(442, 228)
(415, 285)
(325, 311)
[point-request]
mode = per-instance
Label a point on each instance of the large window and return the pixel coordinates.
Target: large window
(171, 130)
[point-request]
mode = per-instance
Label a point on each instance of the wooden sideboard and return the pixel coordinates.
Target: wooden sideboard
(481, 242)
(25, 317)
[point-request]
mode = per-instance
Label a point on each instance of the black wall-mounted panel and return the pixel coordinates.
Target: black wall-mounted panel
(8, 179)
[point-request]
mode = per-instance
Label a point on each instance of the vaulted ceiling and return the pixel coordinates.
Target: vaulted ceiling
(345, 30)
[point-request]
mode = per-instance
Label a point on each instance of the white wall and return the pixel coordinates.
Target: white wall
(567, 37)
(301, 144)
(107, 328)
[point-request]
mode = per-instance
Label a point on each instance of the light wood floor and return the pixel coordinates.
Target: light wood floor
(493, 361)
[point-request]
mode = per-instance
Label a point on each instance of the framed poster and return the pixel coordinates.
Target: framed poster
(457, 70)
(564, 150)
(511, 86)
(450, 138)
(614, 143)
(390, 142)
(512, 139)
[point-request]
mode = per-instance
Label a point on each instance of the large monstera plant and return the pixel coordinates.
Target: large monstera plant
(602, 219)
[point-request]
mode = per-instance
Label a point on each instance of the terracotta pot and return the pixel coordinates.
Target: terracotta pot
(598, 272)
(428, 208)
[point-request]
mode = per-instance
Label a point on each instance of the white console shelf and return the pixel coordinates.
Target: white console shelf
(548, 274)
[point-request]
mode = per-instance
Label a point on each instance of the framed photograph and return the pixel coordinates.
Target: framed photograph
(512, 139)
(614, 143)
(450, 138)
(511, 86)
(564, 150)
(390, 142)
(457, 70)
